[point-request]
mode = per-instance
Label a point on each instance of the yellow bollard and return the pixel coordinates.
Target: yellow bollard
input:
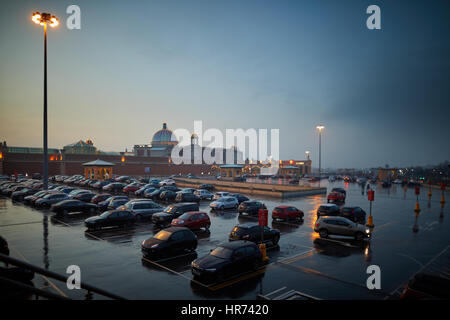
(370, 222)
(262, 248)
(429, 193)
(442, 199)
(417, 208)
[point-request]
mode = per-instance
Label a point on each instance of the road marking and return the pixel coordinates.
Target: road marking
(19, 224)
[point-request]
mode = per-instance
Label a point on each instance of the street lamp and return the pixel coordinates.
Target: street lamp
(320, 128)
(45, 19)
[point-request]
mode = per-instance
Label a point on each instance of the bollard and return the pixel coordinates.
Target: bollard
(417, 209)
(262, 248)
(442, 200)
(370, 222)
(429, 193)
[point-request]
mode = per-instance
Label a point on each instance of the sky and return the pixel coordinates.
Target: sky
(382, 95)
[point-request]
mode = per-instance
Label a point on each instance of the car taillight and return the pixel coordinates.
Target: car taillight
(317, 225)
(246, 237)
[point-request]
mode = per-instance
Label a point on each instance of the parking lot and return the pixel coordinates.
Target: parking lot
(323, 268)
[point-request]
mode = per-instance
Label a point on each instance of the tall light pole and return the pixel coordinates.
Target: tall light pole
(45, 19)
(320, 128)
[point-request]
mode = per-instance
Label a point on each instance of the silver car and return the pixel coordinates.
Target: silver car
(224, 203)
(220, 194)
(142, 208)
(331, 225)
(204, 194)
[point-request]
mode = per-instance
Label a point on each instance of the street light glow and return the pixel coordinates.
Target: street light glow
(45, 18)
(320, 127)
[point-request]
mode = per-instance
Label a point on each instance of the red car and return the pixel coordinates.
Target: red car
(193, 220)
(336, 197)
(132, 187)
(287, 213)
(100, 197)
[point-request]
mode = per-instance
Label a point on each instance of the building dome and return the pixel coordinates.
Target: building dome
(164, 137)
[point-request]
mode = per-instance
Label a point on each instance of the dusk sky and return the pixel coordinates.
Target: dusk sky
(383, 95)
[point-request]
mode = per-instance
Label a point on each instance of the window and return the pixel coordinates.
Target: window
(177, 236)
(250, 251)
(342, 223)
(194, 217)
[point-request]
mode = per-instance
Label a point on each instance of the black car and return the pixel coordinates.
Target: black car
(173, 211)
(114, 218)
(9, 191)
(66, 206)
(167, 195)
(355, 214)
(250, 207)
(328, 209)
(206, 186)
(169, 242)
(86, 197)
(155, 195)
(251, 231)
(20, 195)
(187, 197)
(103, 205)
(240, 198)
(227, 260)
(115, 203)
(340, 190)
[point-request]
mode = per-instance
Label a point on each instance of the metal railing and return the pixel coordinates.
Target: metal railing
(50, 274)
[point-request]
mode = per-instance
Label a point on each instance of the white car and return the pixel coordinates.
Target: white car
(167, 182)
(204, 194)
(224, 203)
(221, 194)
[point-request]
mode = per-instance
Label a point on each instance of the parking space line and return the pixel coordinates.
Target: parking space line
(19, 224)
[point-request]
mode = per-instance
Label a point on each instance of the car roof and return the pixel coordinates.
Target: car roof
(329, 205)
(195, 212)
(236, 244)
(175, 229)
(181, 204)
(247, 225)
(283, 207)
(335, 218)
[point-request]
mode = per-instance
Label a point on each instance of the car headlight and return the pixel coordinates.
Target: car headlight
(367, 230)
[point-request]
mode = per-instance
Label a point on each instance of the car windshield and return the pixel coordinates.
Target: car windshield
(170, 209)
(105, 214)
(162, 235)
(221, 252)
(185, 216)
(239, 230)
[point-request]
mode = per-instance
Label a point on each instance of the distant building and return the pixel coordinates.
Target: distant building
(80, 147)
(162, 144)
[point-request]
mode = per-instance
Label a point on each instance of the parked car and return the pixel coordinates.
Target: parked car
(335, 197)
(240, 198)
(224, 203)
(341, 190)
(251, 231)
(132, 187)
(9, 191)
(49, 199)
(167, 182)
(167, 195)
(332, 225)
(329, 209)
(220, 194)
(66, 206)
(100, 184)
(30, 199)
(141, 191)
(148, 192)
(116, 203)
(206, 186)
(20, 195)
(169, 242)
(142, 209)
(250, 207)
(103, 205)
(187, 197)
(188, 190)
(227, 260)
(355, 214)
(100, 197)
(286, 213)
(193, 220)
(75, 192)
(173, 211)
(84, 196)
(155, 195)
(204, 194)
(114, 187)
(113, 218)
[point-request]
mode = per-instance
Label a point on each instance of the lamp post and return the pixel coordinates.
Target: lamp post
(320, 128)
(45, 19)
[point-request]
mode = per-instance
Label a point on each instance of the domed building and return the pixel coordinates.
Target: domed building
(164, 137)
(162, 144)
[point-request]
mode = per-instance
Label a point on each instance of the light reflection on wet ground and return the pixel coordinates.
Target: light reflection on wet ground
(336, 269)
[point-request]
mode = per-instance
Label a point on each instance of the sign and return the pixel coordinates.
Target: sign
(371, 195)
(263, 217)
(147, 169)
(417, 190)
